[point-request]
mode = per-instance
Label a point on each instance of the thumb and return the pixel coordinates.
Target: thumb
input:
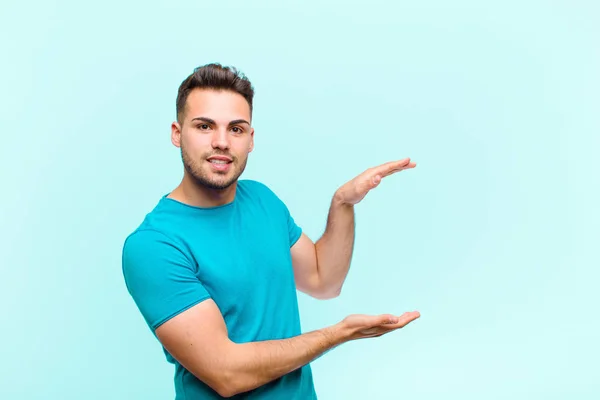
(375, 180)
(388, 319)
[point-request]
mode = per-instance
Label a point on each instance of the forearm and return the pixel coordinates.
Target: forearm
(250, 365)
(334, 248)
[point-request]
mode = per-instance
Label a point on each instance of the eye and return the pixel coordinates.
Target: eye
(203, 127)
(237, 129)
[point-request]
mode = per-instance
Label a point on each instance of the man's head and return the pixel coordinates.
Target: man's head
(213, 127)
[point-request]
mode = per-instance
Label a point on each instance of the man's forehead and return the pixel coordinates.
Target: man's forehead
(211, 97)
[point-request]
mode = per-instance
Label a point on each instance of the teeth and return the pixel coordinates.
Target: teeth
(218, 161)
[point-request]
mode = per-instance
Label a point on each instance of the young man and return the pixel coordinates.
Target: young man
(215, 266)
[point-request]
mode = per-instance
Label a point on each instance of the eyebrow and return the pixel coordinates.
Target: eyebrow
(212, 121)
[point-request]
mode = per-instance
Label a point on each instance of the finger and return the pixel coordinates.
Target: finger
(375, 174)
(387, 319)
(393, 167)
(402, 320)
(407, 318)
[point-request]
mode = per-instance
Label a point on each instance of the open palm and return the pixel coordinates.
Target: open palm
(365, 326)
(356, 189)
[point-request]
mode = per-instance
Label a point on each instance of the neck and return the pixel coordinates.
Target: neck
(194, 194)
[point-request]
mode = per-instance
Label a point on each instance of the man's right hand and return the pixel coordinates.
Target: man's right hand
(359, 326)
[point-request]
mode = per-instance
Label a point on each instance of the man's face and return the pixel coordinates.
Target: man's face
(215, 137)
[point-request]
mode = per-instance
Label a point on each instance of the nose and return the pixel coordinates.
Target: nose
(220, 139)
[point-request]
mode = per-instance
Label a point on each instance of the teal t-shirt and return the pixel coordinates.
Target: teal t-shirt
(238, 255)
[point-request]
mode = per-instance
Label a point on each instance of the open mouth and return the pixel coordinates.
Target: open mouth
(220, 163)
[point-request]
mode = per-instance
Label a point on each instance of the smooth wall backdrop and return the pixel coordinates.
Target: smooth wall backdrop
(493, 237)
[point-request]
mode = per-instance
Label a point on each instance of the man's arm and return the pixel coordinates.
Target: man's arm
(198, 339)
(320, 268)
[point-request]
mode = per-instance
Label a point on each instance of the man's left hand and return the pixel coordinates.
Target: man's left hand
(355, 190)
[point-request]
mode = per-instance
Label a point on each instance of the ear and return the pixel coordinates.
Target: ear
(176, 134)
(251, 141)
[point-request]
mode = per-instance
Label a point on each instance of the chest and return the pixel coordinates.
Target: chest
(244, 261)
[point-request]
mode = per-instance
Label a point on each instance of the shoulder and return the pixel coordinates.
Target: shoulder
(262, 194)
(143, 237)
(145, 247)
(254, 186)
(156, 228)
(258, 189)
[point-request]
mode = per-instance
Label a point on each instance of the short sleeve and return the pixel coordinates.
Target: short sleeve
(294, 230)
(159, 277)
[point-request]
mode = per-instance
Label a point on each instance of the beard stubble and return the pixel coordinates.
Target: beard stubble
(203, 177)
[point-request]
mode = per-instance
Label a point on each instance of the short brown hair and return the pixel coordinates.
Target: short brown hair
(214, 76)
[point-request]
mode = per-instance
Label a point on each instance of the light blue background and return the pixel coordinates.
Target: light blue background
(493, 237)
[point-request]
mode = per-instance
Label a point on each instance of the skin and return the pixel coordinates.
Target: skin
(198, 337)
(214, 123)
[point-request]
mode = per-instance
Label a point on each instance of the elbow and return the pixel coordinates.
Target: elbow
(225, 387)
(230, 384)
(221, 380)
(319, 290)
(232, 376)
(226, 392)
(219, 384)
(332, 295)
(327, 293)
